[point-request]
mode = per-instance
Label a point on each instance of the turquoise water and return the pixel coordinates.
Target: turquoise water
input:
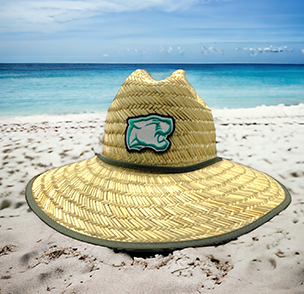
(30, 89)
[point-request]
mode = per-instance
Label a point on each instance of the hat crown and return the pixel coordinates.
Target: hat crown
(162, 123)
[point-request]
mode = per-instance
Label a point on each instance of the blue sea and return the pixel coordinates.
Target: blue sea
(33, 89)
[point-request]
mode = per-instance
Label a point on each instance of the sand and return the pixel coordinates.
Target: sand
(36, 259)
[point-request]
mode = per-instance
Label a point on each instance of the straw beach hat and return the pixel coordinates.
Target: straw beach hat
(158, 183)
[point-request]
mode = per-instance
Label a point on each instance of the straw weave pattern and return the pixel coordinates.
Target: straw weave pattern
(193, 140)
(117, 204)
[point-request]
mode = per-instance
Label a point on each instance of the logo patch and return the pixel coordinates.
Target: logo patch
(149, 132)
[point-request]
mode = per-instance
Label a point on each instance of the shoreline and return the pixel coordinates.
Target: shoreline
(280, 110)
(52, 118)
(35, 258)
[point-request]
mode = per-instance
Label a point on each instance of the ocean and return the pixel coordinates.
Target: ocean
(57, 89)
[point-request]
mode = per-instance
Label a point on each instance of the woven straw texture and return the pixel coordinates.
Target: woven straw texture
(141, 95)
(108, 202)
(117, 204)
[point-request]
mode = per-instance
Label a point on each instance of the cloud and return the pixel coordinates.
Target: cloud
(44, 12)
(208, 1)
(170, 49)
(211, 50)
(15, 14)
(269, 49)
(180, 50)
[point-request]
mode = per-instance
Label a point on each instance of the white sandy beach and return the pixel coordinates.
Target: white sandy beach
(35, 258)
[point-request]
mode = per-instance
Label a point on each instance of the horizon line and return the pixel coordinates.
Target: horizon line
(126, 63)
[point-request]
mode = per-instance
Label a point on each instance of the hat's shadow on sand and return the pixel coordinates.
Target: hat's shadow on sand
(144, 254)
(164, 252)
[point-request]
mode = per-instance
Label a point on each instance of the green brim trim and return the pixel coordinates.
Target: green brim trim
(157, 246)
(158, 168)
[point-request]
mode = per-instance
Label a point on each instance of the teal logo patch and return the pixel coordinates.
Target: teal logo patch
(149, 132)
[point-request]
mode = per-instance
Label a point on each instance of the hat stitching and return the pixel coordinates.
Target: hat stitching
(148, 132)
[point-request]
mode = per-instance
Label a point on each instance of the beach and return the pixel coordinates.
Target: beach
(35, 258)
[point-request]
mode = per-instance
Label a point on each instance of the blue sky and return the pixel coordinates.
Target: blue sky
(180, 31)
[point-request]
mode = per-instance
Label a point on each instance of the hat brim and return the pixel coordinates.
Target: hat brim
(130, 209)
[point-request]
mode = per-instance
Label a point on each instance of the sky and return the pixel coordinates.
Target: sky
(152, 31)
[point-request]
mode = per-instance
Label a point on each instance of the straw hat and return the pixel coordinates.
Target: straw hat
(158, 183)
